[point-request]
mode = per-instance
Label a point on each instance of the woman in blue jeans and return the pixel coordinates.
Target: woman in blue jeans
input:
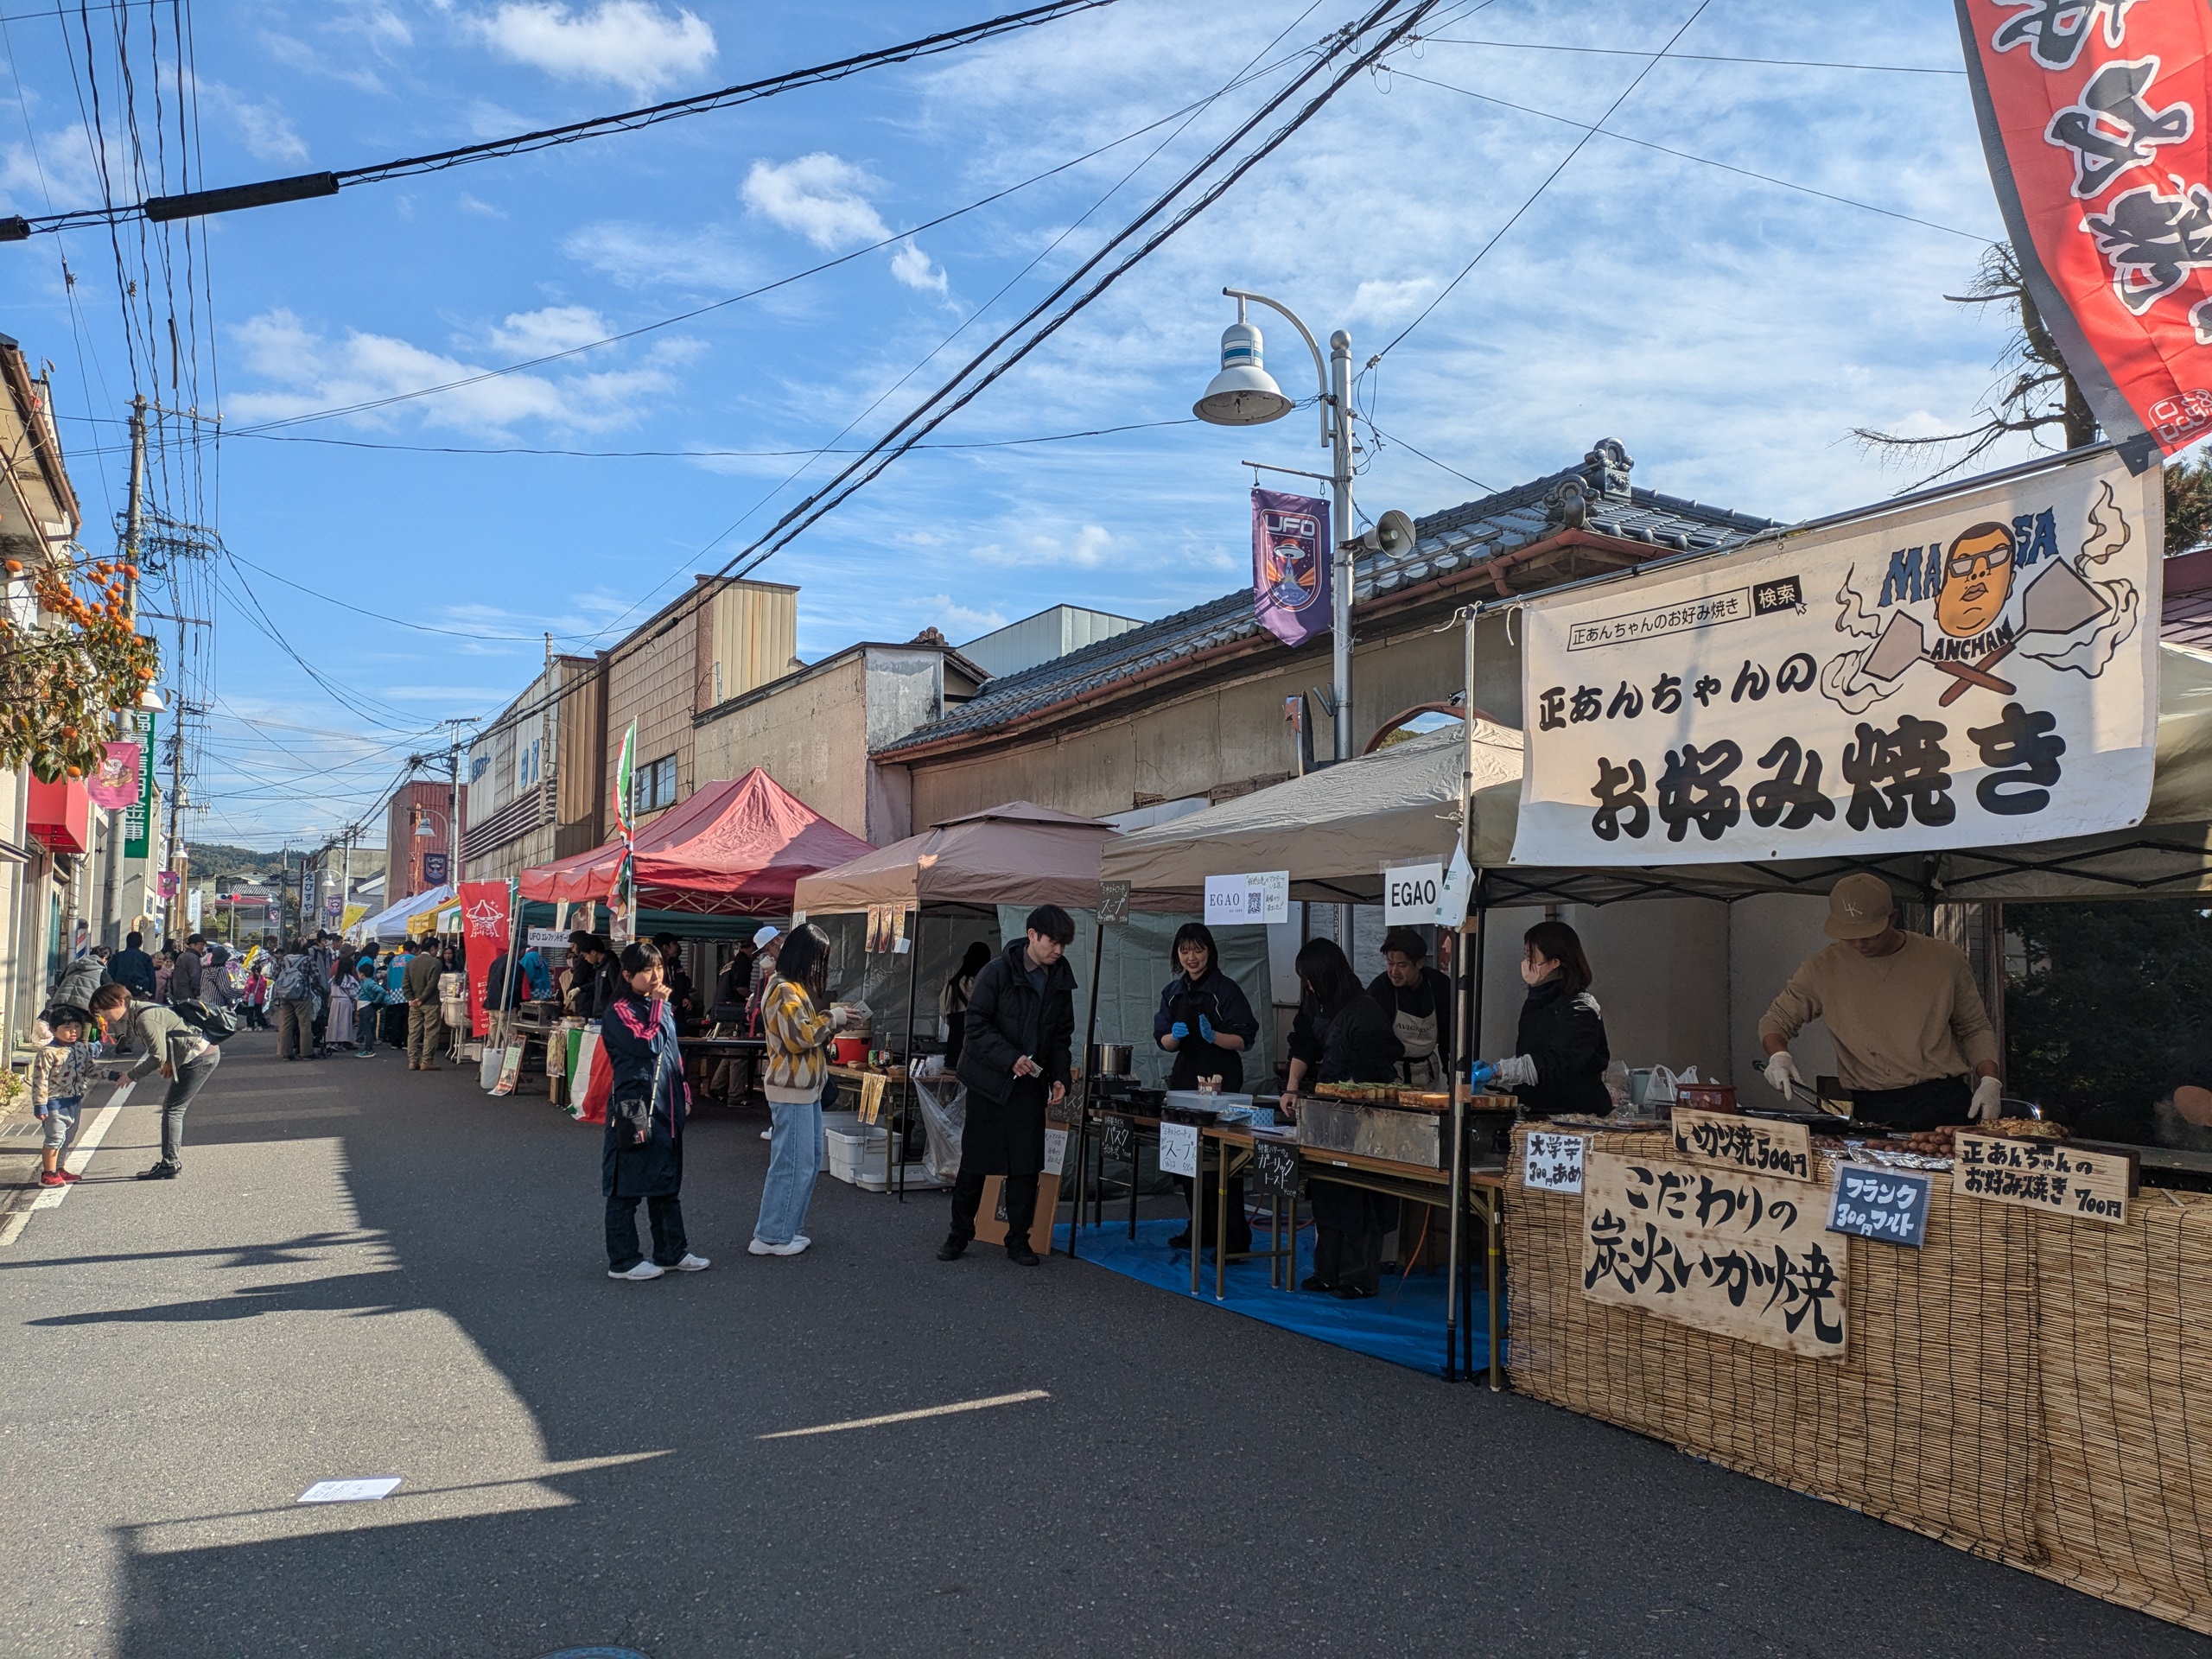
(794, 1070)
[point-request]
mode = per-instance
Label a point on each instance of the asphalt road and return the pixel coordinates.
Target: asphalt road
(367, 1272)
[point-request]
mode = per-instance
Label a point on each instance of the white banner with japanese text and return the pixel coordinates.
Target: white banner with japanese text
(1978, 670)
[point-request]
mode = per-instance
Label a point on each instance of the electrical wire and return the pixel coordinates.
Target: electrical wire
(1565, 162)
(1487, 489)
(1687, 156)
(626, 121)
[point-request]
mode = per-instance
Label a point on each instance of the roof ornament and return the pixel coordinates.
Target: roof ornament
(1606, 467)
(1568, 504)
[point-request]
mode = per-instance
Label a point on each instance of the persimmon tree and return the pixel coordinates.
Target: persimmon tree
(68, 667)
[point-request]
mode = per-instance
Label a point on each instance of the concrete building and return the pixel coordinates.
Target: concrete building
(815, 729)
(416, 863)
(518, 768)
(46, 830)
(1039, 638)
(714, 642)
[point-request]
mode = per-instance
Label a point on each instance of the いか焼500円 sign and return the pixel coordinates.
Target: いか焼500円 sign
(1742, 1255)
(1974, 671)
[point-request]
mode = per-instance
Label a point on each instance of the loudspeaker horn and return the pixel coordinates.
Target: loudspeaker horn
(1393, 534)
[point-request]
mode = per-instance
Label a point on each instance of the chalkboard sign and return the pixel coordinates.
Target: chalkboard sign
(1117, 1138)
(1179, 1150)
(1889, 1205)
(1275, 1167)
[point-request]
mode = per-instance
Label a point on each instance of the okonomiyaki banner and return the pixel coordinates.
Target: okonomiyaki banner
(1290, 565)
(2094, 118)
(1975, 671)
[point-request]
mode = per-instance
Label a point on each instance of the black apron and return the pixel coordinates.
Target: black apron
(1918, 1106)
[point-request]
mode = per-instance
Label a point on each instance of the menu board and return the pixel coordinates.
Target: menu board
(2044, 1175)
(1551, 1162)
(1759, 1145)
(1741, 1256)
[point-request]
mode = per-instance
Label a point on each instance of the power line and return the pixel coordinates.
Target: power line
(304, 187)
(1684, 154)
(1694, 57)
(1487, 489)
(1565, 162)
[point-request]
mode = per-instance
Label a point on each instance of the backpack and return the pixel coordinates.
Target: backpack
(213, 1023)
(292, 980)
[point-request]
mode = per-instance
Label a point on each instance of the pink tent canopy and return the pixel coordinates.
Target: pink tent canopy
(735, 848)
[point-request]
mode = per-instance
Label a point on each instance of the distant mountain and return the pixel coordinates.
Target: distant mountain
(213, 859)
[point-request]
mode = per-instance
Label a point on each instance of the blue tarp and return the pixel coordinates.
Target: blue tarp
(1404, 1324)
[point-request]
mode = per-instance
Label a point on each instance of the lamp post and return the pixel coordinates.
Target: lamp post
(424, 832)
(1245, 394)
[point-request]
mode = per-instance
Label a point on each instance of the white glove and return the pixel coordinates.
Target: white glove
(1518, 1072)
(839, 1018)
(1988, 1100)
(1780, 1073)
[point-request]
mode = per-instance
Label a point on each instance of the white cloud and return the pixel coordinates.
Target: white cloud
(469, 204)
(823, 198)
(303, 370)
(1087, 550)
(628, 44)
(957, 621)
(819, 196)
(642, 255)
(555, 328)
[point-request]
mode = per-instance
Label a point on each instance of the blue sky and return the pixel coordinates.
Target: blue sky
(1730, 331)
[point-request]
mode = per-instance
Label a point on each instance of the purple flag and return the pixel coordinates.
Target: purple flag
(1290, 565)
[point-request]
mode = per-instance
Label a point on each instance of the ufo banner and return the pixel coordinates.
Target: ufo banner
(1290, 565)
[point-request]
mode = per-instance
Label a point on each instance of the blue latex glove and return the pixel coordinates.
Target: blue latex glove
(1181, 1031)
(1482, 1075)
(1205, 1028)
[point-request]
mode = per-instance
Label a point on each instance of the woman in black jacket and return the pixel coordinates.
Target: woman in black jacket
(1562, 1065)
(952, 1001)
(1204, 1020)
(642, 1155)
(1341, 1035)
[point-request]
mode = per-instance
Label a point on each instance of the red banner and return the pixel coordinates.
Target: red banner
(485, 923)
(2093, 115)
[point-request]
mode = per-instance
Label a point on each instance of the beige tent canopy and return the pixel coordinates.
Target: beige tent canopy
(1017, 854)
(1337, 829)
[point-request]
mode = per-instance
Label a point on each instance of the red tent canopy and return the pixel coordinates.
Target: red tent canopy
(732, 848)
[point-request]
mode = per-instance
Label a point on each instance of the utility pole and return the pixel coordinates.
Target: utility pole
(110, 915)
(453, 811)
(346, 872)
(175, 906)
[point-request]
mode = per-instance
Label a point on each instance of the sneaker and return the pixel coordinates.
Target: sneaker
(952, 1250)
(691, 1264)
(163, 1171)
(1021, 1255)
(53, 1177)
(762, 1247)
(1317, 1282)
(642, 1272)
(1353, 1293)
(68, 1176)
(767, 1134)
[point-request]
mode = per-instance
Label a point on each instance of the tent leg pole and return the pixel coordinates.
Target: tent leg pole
(1083, 1100)
(894, 1139)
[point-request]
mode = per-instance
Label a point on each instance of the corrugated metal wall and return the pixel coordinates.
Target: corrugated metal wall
(754, 639)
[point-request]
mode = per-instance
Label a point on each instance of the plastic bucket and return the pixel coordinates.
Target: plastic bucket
(849, 1050)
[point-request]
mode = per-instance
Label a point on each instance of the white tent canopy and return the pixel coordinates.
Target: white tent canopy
(390, 926)
(1337, 829)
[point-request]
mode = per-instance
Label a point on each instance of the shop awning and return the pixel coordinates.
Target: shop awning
(1018, 853)
(1337, 829)
(731, 848)
(390, 926)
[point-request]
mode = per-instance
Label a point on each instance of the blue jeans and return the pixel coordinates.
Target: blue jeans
(794, 1160)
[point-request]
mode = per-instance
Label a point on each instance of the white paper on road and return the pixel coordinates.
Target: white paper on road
(352, 1491)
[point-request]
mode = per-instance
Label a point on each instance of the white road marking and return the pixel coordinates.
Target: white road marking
(911, 1416)
(78, 1156)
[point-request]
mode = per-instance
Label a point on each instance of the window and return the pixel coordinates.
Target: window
(655, 784)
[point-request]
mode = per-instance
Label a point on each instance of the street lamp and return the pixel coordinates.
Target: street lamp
(424, 832)
(1245, 394)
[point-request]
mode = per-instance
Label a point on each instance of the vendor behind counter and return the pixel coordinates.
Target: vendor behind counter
(1913, 1041)
(1417, 1001)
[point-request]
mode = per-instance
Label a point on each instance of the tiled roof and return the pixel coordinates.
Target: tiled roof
(1444, 542)
(2188, 616)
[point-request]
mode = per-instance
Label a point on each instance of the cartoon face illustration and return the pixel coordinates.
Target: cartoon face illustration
(1977, 580)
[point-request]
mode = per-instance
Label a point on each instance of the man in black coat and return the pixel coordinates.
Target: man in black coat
(131, 966)
(1021, 1020)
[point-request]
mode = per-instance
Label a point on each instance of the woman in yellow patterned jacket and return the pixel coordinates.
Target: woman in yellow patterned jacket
(794, 1070)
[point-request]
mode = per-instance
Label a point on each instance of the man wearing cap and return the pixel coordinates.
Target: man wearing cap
(1913, 1042)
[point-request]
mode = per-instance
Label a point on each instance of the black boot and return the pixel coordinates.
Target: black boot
(953, 1248)
(1018, 1253)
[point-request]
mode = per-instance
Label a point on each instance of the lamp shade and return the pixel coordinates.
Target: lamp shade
(1243, 393)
